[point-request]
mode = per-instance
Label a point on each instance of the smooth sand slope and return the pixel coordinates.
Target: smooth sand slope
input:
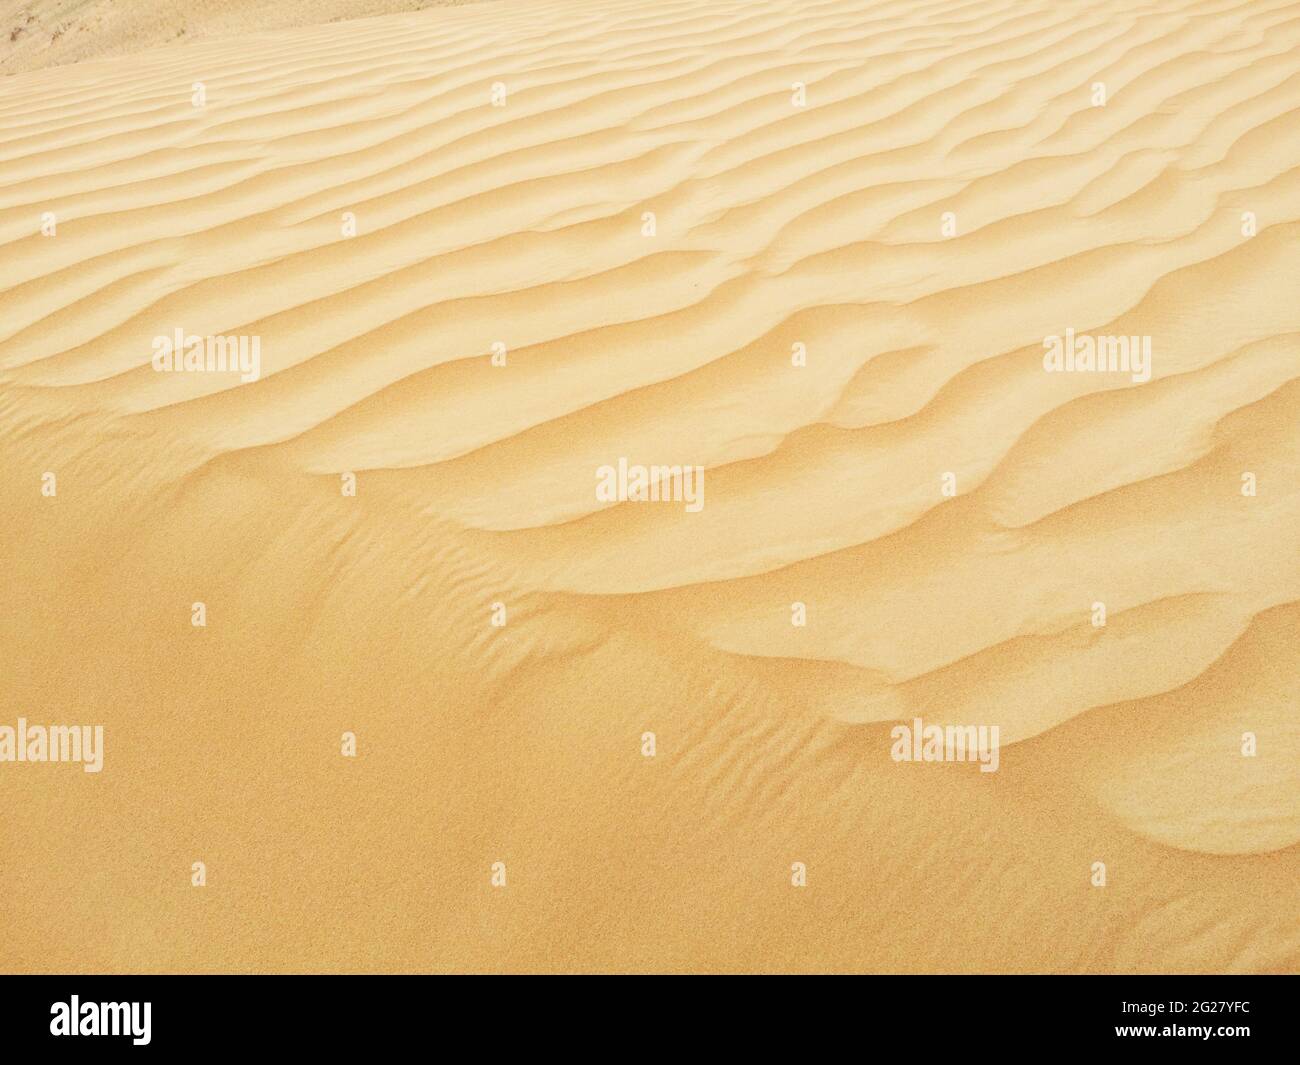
(35, 34)
(947, 196)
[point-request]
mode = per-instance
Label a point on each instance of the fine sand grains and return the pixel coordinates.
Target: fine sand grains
(814, 249)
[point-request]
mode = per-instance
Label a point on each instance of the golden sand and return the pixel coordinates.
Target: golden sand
(656, 212)
(42, 33)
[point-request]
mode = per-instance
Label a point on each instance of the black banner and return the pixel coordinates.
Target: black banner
(336, 1014)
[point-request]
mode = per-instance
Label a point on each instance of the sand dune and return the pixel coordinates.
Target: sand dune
(46, 33)
(653, 214)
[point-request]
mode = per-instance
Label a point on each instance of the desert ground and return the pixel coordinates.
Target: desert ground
(46, 33)
(386, 683)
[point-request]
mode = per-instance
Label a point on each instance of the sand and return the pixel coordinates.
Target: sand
(46, 33)
(815, 249)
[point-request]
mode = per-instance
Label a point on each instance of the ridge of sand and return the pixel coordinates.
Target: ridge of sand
(48, 33)
(775, 226)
